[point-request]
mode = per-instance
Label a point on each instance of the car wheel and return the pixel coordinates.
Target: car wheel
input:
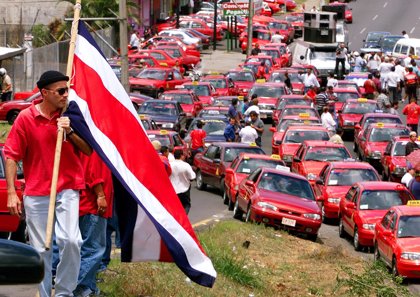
(237, 212)
(199, 180)
(394, 268)
(324, 218)
(312, 237)
(248, 215)
(356, 244)
(376, 254)
(225, 198)
(11, 117)
(341, 231)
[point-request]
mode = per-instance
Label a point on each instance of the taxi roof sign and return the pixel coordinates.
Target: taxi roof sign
(380, 125)
(142, 116)
(304, 115)
(253, 144)
(195, 83)
(260, 81)
(362, 100)
(413, 203)
(163, 132)
(241, 98)
(275, 157)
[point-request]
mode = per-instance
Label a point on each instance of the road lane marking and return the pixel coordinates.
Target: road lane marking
(385, 4)
(412, 30)
(363, 30)
(374, 18)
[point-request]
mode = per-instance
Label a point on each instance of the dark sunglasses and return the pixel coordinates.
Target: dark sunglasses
(60, 91)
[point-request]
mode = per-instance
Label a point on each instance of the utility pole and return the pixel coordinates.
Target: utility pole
(123, 44)
(214, 25)
(250, 17)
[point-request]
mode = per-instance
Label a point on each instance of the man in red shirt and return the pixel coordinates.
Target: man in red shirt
(412, 111)
(370, 88)
(32, 139)
(197, 137)
(95, 207)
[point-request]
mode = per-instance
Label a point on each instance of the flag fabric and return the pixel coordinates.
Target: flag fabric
(153, 223)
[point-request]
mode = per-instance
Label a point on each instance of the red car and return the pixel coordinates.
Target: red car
(296, 20)
(297, 110)
(334, 181)
(11, 109)
(267, 59)
(283, 28)
(273, 6)
(164, 58)
(223, 84)
(188, 100)
(241, 167)
(286, 100)
(154, 81)
(294, 136)
(348, 14)
(373, 141)
(364, 205)
(204, 91)
(243, 79)
(286, 56)
(211, 164)
(147, 60)
(274, 53)
(185, 60)
(353, 111)
(343, 94)
(393, 161)
(396, 240)
(279, 198)
(269, 94)
(189, 50)
(262, 37)
(290, 4)
(297, 84)
(169, 138)
(201, 26)
(371, 118)
(313, 155)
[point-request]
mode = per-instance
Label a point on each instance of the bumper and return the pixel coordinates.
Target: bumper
(331, 210)
(410, 269)
(145, 91)
(366, 237)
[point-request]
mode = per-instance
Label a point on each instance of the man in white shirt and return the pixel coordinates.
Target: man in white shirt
(404, 34)
(328, 122)
(309, 79)
(253, 107)
(400, 70)
(181, 177)
(340, 58)
(384, 69)
(408, 176)
(392, 80)
(134, 40)
(331, 80)
(248, 134)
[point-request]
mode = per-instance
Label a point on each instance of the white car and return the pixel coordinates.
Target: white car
(186, 37)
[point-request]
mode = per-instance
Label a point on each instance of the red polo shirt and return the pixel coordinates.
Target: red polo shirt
(32, 139)
(96, 172)
(197, 138)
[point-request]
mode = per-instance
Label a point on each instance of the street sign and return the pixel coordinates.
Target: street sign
(230, 8)
(235, 12)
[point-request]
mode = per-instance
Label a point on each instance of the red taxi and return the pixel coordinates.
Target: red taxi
(286, 56)
(273, 5)
(373, 141)
(335, 180)
(240, 168)
(279, 198)
(177, 42)
(294, 136)
(188, 100)
(223, 84)
(269, 62)
(154, 81)
(353, 111)
(343, 94)
(297, 84)
(211, 164)
(243, 79)
(297, 110)
(169, 138)
(261, 37)
(296, 20)
(348, 15)
(290, 4)
(370, 118)
(364, 205)
(213, 111)
(200, 26)
(283, 28)
(269, 94)
(393, 161)
(185, 60)
(313, 155)
(148, 123)
(164, 58)
(274, 53)
(396, 240)
(286, 100)
(204, 91)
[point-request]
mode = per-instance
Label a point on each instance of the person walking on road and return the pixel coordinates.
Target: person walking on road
(309, 80)
(233, 110)
(230, 130)
(411, 83)
(340, 58)
(392, 81)
(6, 86)
(32, 140)
(181, 177)
(412, 111)
(370, 88)
(248, 134)
(328, 122)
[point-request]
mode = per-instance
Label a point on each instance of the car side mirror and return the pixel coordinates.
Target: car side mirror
(19, 264)
(357, 126)
(228, 171)
(387, 232)
(319, 182)
(273, 129)
(296, 159)
(249, 183)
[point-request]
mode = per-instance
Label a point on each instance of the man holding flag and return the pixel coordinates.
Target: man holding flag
(32, 140)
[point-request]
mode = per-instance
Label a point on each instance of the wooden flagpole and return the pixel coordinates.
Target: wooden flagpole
(57, 156)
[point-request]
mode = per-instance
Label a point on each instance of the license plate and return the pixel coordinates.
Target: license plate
(263, 116)
(288, 222)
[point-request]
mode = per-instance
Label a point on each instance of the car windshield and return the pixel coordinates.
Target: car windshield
(199, 90)
(173, 52)
(382, 135)
(261, 35)
(342, 96)
(232, 152)
(389, 42)
(241, 76)
(248, 165)
(327, 154)
(163, 139)
(266, 91)
(374, 36)
(323, 55)
(286, 123)
(351, 85)
(359, 108)
(277, 26)
(222, 101)
(158, 108)
(272, 53)
(217, 83)
(213, 127)
(213, 112)
(382, 199)
(279, 77)
(296, 111)
(152, 74)
(286, 185)
(381, 120)
(301, 136)
(347, 177)
(409, 226)
(180, 98)
(267, 62)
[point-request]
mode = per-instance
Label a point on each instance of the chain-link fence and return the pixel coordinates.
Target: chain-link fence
(26, 69)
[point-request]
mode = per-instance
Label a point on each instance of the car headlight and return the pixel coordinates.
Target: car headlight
(207, 144)
(334, 200)
(410, 256)
(267, 205)
(375, 155)
(167, 125)
(399, 170)
(287, 158)
(368, 226)
(311, 176)
(348, 123)
(245, 90)
(313, 216)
